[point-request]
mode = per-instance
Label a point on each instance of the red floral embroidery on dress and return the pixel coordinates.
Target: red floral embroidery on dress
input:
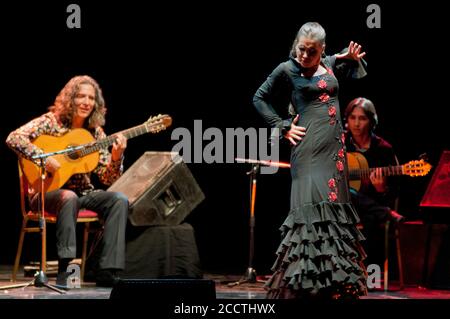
(330, 71)
(340, 165)
(332, 196)
(341, 153)
(343, 138)
(331, 183)
(332, 111)
(322, 84)
(332, 114)
(324, 98)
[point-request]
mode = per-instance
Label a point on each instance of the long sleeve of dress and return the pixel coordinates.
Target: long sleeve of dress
(346, 68)
(275, 91)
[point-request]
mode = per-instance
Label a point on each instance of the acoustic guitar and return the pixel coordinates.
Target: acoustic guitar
(359, 170)
(85, 155)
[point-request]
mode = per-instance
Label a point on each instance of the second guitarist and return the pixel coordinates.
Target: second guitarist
(80, 104)
(375, 200)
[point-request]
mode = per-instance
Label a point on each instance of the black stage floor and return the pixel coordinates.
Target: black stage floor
(225, 289)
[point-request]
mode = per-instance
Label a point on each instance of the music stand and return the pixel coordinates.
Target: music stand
(435, 207)
(250, 274)
(40, 278)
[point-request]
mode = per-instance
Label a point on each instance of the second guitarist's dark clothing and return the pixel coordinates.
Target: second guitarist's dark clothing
(379, 154)
(374, 207)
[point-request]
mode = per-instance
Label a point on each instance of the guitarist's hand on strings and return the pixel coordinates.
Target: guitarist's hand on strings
(296, 133)
(119, 147)
(378, 180)
(52, 165)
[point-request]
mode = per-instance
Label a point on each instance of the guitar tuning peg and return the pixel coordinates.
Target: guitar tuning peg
(424, 157)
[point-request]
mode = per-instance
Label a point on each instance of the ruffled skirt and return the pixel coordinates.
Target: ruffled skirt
(320, 254)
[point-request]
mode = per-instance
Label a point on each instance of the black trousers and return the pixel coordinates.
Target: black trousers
(372, 215)
(112, 208)
(370, 211)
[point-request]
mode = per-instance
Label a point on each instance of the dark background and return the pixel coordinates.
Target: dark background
(205, 61)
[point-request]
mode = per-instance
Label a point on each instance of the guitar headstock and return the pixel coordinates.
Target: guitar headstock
(158, 123)
(416, 168)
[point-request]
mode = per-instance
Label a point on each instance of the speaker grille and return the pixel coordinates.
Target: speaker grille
(160, 188)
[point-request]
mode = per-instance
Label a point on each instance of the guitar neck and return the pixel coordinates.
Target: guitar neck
(108, 141)
(365, 172)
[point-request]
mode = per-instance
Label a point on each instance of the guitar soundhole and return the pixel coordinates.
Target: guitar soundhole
(75, 154)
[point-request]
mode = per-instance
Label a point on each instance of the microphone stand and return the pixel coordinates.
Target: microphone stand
(40, 278)
(250, 274)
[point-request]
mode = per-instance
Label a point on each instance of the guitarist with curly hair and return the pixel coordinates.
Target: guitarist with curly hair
(79, 105)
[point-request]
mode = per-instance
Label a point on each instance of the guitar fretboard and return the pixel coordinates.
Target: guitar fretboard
(365, 172)
(108, 141)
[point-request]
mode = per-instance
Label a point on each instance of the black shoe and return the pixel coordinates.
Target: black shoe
(63, 263)
(106, 278)
(63, 281)
(396, 217)
(89, 276)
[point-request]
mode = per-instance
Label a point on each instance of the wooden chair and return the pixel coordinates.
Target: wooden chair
(32, 217)
(388, 225)
(391, 231)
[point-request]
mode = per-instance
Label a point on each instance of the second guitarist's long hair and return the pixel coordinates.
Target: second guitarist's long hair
(63, 106)
(368, 108)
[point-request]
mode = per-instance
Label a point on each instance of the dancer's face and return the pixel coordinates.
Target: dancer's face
(309, 52)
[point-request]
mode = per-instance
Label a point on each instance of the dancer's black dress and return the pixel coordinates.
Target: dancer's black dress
(320, 252)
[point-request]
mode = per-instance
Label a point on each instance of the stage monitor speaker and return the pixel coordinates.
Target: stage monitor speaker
(173, 290)
(160, 188)
(161, 251)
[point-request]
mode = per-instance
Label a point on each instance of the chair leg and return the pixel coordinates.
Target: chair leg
(399, 258)
(427, 255)
(19, 251)
(386, 255)
(98, 235)
(84, 251)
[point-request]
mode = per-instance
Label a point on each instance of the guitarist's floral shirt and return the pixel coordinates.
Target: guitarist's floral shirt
(21, 142)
